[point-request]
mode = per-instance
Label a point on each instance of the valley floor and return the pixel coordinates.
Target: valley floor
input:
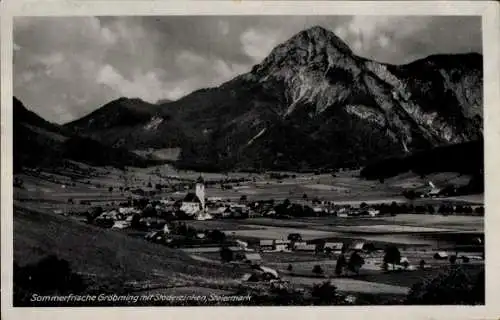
(122, 263)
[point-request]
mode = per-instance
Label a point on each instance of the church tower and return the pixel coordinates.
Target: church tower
(200, 191)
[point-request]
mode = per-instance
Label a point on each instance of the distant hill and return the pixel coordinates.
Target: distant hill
(131, 123)
(39, 143)
(311, 103)
(466, 158)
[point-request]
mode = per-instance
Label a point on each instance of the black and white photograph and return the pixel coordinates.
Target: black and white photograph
(248, 160)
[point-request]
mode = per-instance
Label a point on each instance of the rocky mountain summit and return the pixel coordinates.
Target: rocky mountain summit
(311, 103)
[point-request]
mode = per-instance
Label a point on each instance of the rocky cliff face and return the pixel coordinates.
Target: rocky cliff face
(313, 103)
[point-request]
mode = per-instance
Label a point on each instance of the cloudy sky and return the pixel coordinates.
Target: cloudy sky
(67, 67)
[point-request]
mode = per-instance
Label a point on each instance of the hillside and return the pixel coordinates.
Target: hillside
(131, 123)
(465, 158)
(311, 103)
(39, 143)
(109, 260)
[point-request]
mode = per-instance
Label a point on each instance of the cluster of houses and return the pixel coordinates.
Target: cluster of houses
(196, 205)
(291, 244)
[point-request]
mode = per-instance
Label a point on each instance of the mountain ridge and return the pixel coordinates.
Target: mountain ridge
(313, 103)
(39, 143)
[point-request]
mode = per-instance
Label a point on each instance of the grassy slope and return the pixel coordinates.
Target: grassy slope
(107, 256)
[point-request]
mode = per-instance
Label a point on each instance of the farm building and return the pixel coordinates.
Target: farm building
(242, 244)
(334, 246)
(318, 210)
(260, 274)
(281, 246)
(270, 213)
(282, 241)
(217, 210)
(203, 216)
(253, 214)
(252, 258)
(214, 199)
(128, 210)
(358, 245)
(404, 260)
(299, 243)
(121, 224)
(267, 245)
(302, 246)
(441, 255)
(200, 235)
(269, 271)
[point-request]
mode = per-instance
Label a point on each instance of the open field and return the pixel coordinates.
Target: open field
(405, 229)
(352, 285)
(343, 188)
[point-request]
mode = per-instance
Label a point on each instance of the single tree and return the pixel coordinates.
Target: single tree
(290, 267)
(341, 264)
(136, 221)
(217, 236)
(317, 270)
(355, 262)
(226, 254)
(286, 203)
(328, 251)
(392, 256)
(422, 264)
(325, 293)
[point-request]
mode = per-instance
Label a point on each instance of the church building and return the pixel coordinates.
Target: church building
(194, 203)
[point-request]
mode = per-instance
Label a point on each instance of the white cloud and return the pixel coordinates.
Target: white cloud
(50, 60)
(258, 44)
(62, 113)
(146, 86)
(109, 36)
(227, 71)
(109, 76)
(341, 32)
(189, 59)
(58, 60)
(357, 46)
(223, 27)
(27, 76)
(383, 41)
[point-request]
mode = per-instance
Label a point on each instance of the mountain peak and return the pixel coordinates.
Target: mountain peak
(319, 36)
(315, 45)
(316, 32)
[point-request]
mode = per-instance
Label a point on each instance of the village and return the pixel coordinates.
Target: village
(266, 236)
(288, 241)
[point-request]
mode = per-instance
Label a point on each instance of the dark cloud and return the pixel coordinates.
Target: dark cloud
(65, 67)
